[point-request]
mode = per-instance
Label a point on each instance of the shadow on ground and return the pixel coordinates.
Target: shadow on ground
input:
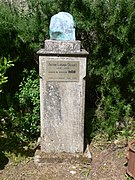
(3, 161)
(12, 144)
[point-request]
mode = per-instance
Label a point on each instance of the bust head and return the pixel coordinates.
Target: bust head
(62, 27)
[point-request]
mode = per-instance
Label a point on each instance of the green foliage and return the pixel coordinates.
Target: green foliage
(4, 65)
(23, 116)
(22, 33)
(106, 29)
(112, 55)
(28, 97)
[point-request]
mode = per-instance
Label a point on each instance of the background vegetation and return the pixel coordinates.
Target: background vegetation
(106, 30)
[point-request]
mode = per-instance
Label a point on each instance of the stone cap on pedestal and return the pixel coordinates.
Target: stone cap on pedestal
(63, 46)
(53, 47)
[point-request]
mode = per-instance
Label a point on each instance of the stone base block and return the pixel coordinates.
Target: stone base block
(62, 46)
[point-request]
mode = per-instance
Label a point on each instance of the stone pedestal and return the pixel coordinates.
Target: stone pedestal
(62, 68)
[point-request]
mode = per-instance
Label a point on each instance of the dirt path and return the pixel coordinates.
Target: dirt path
(108, 163)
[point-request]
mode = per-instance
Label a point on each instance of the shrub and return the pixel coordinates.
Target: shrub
(4, 65)
(111, 62)
(106, 29)
(23, 116)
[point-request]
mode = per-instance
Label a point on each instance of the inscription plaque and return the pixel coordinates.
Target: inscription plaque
(62, 71)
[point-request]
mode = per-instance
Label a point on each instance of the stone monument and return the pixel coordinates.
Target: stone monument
(62, 69)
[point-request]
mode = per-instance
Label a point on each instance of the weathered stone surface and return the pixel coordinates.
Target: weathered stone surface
(62, 103)
(62, 46)
(62, 27)
(43, 52)
(62, 111)
(42, 158)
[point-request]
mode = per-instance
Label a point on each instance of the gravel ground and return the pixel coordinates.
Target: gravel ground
(108, 163)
